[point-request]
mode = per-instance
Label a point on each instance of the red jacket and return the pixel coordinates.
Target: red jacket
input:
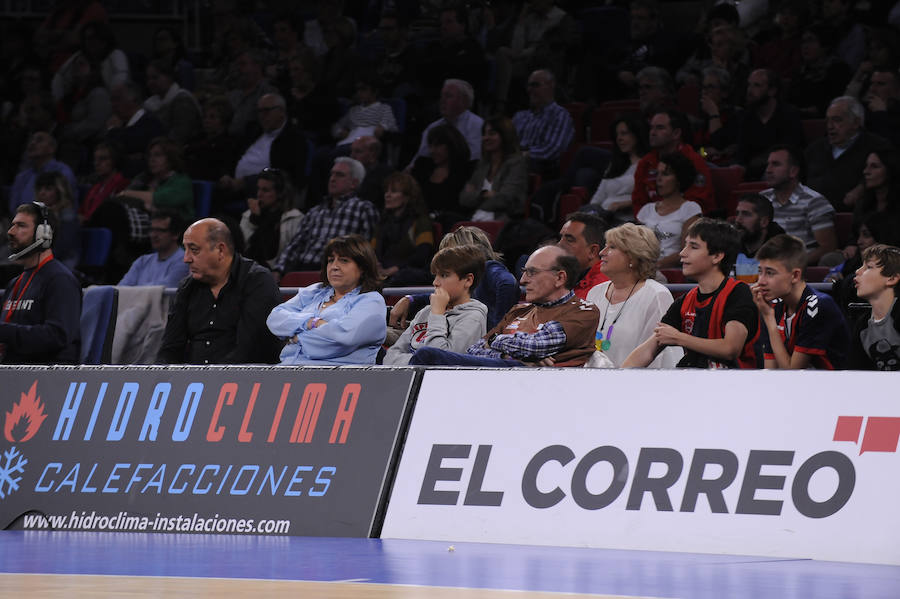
(592, 277)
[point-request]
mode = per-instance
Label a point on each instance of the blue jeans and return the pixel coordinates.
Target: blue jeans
(430, 356)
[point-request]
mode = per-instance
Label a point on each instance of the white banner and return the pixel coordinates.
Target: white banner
(782, 464)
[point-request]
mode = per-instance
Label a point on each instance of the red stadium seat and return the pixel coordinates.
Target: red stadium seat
(689, 99)
(673, 275)
(300, 278)
(437, 230)
(816, 274)
(725, 179)
(813, 129)
(571, 202)
(578, 111)
(491, 227)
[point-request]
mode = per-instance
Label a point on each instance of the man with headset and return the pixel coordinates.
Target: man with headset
(41, 311)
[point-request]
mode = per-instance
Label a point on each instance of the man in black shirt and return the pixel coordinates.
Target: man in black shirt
(219, 312)
(755, 221)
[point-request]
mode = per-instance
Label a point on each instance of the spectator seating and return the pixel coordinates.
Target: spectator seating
(300, 278)
(673, 275)
(203, 192)
(816, 274)
(96, 243)
(606, 26)
(491, 227)
(578, 112)
(689, 99)
(534, 183)
(98, 324)
(604, 115)
(437, 231)
(569, 203)
(813, 129)
(843, 228)
(724, 179)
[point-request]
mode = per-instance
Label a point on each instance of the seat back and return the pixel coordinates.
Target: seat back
(96, 243)
(813, 129)
(843, 228)
(300, 278)
(98, 324)
(725, 179)
(203, 192)
(491, 227)
(578, 111)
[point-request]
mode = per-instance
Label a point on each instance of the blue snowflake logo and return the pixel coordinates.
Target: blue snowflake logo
(12, 463)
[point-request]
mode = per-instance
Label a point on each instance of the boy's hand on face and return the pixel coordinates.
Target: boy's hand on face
(766, 311)
(439, 300)
(666, 334)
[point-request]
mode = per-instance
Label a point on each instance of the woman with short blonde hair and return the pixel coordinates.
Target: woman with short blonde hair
(631, 303)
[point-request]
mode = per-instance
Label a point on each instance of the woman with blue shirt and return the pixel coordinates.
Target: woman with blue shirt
(341, 323)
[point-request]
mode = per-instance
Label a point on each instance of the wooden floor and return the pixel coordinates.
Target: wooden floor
(61, 585)
(80, 564)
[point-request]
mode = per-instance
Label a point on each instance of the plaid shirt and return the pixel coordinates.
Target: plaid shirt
(549, 340)
(343, 216)
(545, 133)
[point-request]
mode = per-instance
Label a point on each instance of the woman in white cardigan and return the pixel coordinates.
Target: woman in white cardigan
(631, 303)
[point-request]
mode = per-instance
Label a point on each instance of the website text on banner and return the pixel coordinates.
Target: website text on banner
(235, 450)
(756, 463)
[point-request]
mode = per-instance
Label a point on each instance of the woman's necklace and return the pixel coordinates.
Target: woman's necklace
(603, 343)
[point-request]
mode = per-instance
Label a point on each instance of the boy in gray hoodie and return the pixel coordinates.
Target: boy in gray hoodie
(453, 320)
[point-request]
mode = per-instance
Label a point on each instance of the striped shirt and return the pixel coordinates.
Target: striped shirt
(545, 133)
(373, 115)
(343, 216)
(806, 211)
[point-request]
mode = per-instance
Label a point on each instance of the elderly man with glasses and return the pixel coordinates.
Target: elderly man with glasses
(552, 328)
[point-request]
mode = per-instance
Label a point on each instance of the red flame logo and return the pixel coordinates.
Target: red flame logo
(27, 414)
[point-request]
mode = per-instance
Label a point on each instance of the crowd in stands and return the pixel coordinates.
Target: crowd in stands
(590, 151)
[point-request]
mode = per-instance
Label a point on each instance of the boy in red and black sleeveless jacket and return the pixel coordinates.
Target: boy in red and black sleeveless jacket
(716, 322)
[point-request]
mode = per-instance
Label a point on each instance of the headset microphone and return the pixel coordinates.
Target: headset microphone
(26, 251)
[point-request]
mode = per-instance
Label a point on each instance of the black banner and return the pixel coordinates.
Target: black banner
(206, 450)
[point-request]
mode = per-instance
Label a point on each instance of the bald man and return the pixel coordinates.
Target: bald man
(220, 310)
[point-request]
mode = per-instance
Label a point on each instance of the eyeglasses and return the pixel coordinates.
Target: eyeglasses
(533, 271)
(265, 109)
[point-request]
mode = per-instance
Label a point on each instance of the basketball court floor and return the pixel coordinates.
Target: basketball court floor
(91, 564)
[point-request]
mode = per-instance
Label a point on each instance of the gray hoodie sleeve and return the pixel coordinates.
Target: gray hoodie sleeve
(459, 328)
(402, 350)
